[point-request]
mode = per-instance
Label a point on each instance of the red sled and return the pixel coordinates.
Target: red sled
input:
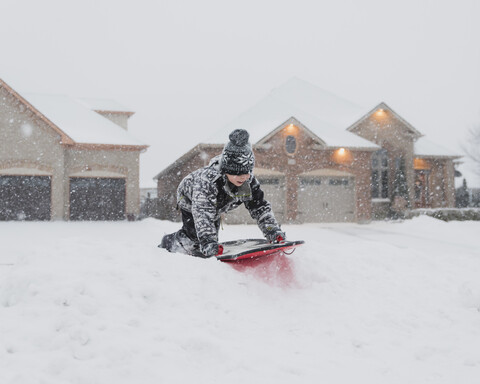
(255, 248)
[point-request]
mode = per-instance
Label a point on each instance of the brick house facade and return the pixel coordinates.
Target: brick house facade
(314, 169)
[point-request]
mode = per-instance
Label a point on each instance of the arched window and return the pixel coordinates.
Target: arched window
(380, 174)
(290, 144)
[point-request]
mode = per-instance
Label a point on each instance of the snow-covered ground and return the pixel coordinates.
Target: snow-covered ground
(379, 303)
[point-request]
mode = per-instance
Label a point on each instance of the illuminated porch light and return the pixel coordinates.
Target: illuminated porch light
(380, 112)
(421, 164)
(291, 129)
(342, 156)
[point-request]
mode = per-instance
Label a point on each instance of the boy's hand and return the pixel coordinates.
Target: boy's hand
(212, 249)
(276, 236)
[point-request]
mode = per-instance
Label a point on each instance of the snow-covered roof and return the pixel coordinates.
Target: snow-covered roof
(425, 147)
(325, 115)
(79, 122)
(104, 105)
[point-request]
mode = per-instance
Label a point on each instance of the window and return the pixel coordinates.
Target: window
(338, 181)
(305, 182)
(290, 144)
(380, 174)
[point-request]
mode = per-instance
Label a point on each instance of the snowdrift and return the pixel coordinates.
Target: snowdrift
(379, 303)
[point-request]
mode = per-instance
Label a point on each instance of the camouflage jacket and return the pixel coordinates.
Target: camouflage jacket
(206, 193)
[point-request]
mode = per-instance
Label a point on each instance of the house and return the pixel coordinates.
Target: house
(66, 158)
(321, 158)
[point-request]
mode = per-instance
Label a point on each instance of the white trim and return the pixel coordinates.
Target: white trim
(98, 174)
(326, 172)
(21, 171)
(294, 121)
(267, 172)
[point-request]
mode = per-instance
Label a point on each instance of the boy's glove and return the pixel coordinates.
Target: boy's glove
(276, 236)
(212, 249)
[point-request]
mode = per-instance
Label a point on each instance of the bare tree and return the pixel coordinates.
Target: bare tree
(472, 147)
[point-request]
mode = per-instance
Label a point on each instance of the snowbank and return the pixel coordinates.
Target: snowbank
(380, 303)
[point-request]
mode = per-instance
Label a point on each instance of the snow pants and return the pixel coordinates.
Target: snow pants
(186, 239)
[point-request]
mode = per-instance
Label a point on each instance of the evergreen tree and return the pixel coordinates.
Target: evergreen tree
(400, 199)
(462, 197)
(400, 186)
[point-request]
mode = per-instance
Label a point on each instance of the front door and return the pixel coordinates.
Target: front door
(422, 190)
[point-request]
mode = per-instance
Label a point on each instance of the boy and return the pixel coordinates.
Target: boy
(223, 185)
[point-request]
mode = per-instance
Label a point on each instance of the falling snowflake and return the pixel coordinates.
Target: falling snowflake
(26, 130)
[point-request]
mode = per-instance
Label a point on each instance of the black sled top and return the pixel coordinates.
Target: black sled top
(253, 248)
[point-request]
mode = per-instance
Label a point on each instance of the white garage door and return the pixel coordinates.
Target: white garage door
(323, 198)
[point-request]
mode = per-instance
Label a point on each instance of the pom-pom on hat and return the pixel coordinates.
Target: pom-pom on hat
(237, 155)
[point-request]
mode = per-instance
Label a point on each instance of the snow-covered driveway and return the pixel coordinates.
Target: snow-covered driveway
(379, 303)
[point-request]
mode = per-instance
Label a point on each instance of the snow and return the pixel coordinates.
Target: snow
(470, 171)
(426, 147)
(79, 122)
(323, 113)
(387, 302)
(26, 130)
(109, 105)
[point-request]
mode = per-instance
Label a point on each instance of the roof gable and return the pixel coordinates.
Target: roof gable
(409, 128)
(294, 121)
(65, 139)
(74, 121)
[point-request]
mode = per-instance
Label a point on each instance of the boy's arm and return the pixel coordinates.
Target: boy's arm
(261, 211)
(204, 199)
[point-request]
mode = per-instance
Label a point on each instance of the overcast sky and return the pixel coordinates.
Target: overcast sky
(189, 67)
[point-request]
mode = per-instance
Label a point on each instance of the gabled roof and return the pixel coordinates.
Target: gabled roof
(410, 128)
(186, 157)
(76, 123)
(65, 139)
(331, 138)
(325, 115)
(80, 123)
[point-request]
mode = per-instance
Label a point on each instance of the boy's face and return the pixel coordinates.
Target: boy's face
(238, 180)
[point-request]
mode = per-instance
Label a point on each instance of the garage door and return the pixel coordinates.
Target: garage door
(326, 199)
(25, 197)
(97, 198)
(274, 192)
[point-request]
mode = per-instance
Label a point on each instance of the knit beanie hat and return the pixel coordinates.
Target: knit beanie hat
(237, 155)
